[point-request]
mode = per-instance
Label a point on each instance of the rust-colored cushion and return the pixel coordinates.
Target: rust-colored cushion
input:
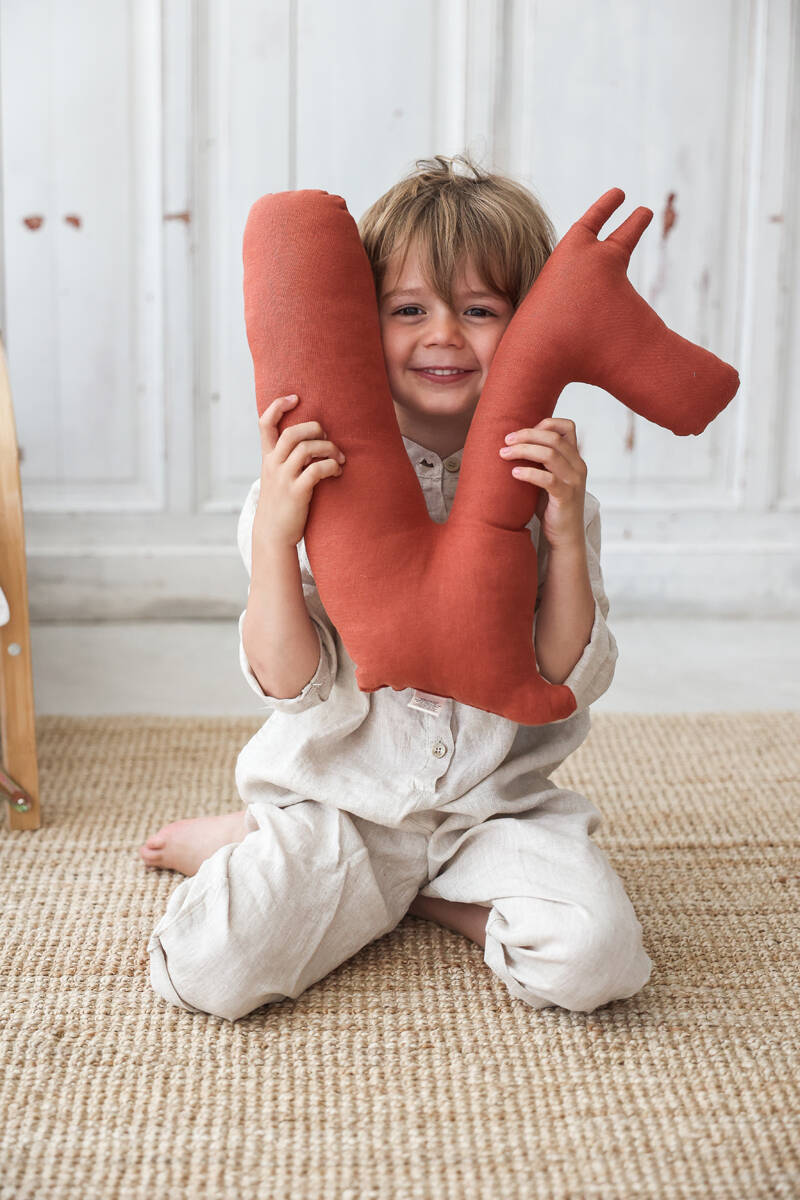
(448, 608)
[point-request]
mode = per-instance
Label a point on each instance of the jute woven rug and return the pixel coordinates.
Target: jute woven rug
(409, 1072)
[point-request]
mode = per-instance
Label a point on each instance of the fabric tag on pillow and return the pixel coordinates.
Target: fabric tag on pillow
(426, 702)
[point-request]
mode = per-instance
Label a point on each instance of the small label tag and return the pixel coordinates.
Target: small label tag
(426, 702)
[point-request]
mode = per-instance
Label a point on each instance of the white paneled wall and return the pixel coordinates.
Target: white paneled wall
(136, 136)
(84, 276)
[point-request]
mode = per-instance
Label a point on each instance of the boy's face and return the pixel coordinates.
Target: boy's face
(419, 330)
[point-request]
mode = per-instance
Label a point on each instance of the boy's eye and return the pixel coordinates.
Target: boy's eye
(475, 308)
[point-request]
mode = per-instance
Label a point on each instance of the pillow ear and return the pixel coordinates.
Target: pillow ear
(448, 609)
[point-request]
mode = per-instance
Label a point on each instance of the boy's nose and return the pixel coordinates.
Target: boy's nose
(444, 330)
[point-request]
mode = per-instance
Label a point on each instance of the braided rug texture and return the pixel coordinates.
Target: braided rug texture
(409, 1072)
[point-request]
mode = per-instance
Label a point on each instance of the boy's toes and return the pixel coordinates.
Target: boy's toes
(151, 854)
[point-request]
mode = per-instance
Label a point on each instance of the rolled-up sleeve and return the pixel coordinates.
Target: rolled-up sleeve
(318, 688)
(593, 672)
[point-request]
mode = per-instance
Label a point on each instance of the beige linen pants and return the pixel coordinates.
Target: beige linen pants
(265, 918)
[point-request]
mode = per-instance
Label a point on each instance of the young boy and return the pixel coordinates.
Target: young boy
(358, 807)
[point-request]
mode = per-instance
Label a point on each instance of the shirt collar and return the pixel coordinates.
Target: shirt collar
(423, 459)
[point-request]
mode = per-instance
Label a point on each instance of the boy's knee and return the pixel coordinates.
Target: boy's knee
(161, 979)
(591, 956)
(197, 959)
(605, 958)
(202, 979)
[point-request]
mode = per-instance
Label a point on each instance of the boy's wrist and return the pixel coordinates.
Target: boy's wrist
(568, 548)
(269, 548)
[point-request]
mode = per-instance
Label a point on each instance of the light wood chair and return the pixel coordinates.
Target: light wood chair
(19, 775)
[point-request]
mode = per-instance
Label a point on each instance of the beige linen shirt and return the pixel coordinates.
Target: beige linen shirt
(372, 755)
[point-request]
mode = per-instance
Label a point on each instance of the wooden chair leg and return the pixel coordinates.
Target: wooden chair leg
(17, 711)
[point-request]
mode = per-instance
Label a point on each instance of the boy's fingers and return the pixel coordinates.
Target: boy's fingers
(562, 426)
(538, 450)
(557, 425)
(282, 402)
(270, 418)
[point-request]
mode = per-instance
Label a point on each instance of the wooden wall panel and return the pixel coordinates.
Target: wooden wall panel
(158, 125)
(83, 271)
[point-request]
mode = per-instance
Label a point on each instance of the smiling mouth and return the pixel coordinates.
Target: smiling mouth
(442, 372)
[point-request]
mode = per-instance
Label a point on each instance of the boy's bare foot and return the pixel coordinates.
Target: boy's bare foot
(184, 845)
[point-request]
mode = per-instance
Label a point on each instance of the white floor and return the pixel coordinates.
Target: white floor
(192, 668)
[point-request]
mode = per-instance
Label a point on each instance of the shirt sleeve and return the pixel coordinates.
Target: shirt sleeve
(318, 688)
(592, 674)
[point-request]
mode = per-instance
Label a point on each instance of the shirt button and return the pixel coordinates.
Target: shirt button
(439, 749)
(451, 464)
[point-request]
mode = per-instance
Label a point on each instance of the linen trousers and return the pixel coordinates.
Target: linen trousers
(310, 885)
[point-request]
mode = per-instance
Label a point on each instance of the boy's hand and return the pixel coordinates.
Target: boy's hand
(560, 473)
(292, 464)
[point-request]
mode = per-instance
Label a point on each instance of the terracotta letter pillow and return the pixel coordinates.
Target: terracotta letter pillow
(448, 608)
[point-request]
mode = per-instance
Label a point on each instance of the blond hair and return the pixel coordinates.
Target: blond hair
(449, 215)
